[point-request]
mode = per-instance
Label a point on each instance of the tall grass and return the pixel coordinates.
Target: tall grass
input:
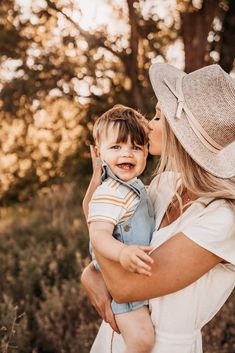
(43, 249)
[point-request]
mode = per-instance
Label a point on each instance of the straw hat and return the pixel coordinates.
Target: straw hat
(200, 108)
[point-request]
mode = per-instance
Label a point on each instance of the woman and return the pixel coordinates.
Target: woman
(194, 199)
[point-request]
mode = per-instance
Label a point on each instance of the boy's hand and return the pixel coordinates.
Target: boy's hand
(134, 258)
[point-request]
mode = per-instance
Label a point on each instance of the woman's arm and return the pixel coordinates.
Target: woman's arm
(95, 180)
(177, 263)
(98, 294)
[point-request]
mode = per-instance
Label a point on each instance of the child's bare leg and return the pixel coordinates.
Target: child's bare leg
(137, 330)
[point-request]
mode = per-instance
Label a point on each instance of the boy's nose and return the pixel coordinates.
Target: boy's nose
(127, 153)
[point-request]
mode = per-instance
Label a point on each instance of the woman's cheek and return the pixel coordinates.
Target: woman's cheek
(151, 148)
(155, 144)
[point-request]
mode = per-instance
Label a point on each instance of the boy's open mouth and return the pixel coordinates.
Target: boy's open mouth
(126, 166)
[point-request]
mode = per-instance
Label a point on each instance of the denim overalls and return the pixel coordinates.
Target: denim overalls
(136, 230)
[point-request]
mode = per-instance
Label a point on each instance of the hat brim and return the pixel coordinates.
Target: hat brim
(220, 164)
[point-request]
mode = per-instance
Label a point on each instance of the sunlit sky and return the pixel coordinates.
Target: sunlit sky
(91, 14)
(94, 13)
(99, 12)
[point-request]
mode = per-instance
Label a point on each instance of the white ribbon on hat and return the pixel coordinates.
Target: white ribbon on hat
(207, 141)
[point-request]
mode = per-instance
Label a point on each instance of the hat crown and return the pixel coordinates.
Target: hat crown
(200, 109)
(210, 94)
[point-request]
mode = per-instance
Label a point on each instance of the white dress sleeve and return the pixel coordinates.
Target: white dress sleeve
(214, 230)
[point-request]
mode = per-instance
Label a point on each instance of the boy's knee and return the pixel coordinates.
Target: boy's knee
(143, 343)
(145, 346)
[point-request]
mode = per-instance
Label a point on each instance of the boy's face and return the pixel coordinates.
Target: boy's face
(126, 160)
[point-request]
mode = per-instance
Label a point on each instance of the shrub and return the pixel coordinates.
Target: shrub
(43, 249)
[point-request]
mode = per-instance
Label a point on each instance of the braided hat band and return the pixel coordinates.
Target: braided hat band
(200, 108)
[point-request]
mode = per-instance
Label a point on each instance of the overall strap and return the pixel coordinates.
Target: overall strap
(135, 186)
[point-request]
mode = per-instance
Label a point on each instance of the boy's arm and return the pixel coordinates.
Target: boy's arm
(133, 258)
(101, 236)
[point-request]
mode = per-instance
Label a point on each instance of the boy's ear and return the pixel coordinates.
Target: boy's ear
(97, 150)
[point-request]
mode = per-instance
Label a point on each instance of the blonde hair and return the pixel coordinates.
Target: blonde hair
(194, 178)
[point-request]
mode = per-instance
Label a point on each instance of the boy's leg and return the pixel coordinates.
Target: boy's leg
(137, 330)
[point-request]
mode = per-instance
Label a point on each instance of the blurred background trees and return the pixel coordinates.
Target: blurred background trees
(62, 64)
(57, 76)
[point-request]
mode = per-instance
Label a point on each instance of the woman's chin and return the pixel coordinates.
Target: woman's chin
(154, 151)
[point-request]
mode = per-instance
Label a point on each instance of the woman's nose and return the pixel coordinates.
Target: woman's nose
(150, 123)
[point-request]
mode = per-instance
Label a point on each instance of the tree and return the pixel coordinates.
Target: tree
(214, 17)
(226, 36)
(62, 65)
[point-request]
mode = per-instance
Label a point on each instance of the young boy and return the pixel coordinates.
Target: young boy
(120, 217)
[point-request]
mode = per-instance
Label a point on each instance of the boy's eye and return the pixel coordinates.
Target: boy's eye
(137, 148)
(115, 147)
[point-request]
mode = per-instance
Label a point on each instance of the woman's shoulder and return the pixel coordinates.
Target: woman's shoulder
(214, 229)
(220, 211)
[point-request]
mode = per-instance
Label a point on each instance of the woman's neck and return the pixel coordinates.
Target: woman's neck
(175, 209)
(188, 196)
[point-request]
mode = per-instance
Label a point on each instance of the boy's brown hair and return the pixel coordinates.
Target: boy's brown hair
(128, 121)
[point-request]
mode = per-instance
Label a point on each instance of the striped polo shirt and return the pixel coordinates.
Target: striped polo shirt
(112, 202)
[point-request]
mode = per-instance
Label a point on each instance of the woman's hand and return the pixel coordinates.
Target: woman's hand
(98, 294)
(96, 164)
(95, 180)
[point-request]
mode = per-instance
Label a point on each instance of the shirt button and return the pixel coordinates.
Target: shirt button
(126, 228)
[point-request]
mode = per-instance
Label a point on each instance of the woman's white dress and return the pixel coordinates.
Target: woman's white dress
(179, 317)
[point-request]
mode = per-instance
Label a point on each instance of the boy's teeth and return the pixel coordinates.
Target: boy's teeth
(125, 165)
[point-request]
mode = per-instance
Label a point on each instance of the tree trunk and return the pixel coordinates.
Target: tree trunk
(227, 53)
(131, 61)
(195, 27)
